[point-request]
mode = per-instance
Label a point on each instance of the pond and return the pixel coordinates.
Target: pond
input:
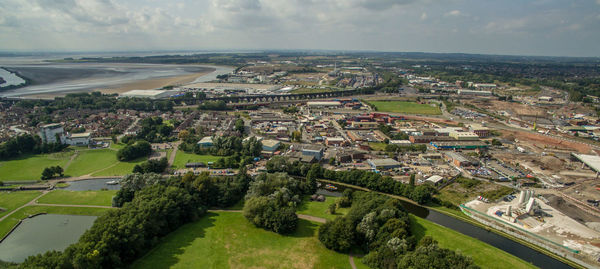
(43, 233)
(92, 185)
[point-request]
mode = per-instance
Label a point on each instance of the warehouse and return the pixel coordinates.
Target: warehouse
(152, 94)
(383, 164)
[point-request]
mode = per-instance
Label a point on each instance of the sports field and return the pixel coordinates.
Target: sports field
(406, 107)
(228, 240)
(181, 158)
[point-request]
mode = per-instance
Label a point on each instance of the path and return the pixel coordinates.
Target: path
(71, 160)
(174, 153)
(32, 202)
(61, 205)
(351, 258)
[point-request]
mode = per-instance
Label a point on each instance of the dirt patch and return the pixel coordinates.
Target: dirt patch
(570, 210)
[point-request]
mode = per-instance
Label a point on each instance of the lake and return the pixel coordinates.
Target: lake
(43, 233)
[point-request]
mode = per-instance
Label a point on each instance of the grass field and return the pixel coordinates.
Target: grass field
(103, 197)
(12, 200)
(483, 254)
(378, 146)
(320, 209)
(228, 240)
(30, 167)
(119, 168)
(406, 107)
(181, 158)
(13, 219)
(89, 161)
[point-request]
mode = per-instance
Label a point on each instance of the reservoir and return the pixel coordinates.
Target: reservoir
(42, 233)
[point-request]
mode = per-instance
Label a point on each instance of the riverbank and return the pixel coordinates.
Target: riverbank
(458, 215)
(146, 84)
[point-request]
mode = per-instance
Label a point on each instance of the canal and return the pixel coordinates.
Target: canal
(92, 184)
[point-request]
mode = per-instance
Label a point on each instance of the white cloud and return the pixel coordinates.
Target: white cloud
(453, 13)
(423, 16)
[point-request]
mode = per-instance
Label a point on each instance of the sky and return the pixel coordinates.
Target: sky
(512, 27)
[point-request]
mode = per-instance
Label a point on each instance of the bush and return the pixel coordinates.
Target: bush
(138, 149)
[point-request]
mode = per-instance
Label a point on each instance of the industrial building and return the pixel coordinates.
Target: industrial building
(448, 145)
(315, 151)
(383, 164)
(474, 93)
(459, 160)
(464, 136)
(152, 94)
(270, 145)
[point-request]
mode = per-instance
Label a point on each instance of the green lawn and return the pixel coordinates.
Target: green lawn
(102, 197)
(228, 240)
(119, 168)
(12, 200)
(484, 255)
(378, 146)
(406, 107)
(181, 158)
(30, 167)
(320, 209)
(89, 161)
(13, 219)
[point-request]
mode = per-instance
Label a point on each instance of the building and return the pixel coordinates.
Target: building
(270, 145)
(450, 145)
(52, 133)
(314, 150)
(323, 104)
(383, 164)
(480, 130)
(459, 160)
(435, 179)
(464, 136)
(82, 139)
(152, 94)
(474, 93)
(206, 142)
(400, 142)
(364, 124)
(334, 141)
(428, 138)
(546, 98)
(485, 85)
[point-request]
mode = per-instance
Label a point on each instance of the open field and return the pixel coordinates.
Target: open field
(13, 219)
(102, 197)
(405, 107)
(483, 254)
(119, 168)
(88, 161)
(12, 200)
(378, 146)
(228, 240)
(30, 167)
(320, 209)
(181, 158)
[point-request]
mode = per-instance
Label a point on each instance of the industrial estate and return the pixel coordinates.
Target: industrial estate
(331, 158)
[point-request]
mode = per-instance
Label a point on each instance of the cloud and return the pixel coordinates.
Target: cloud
(453, 13)
(423, 16)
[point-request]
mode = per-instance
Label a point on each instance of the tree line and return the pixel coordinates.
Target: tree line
(97, 100)
(133, 151)
(367, 179)
(27, 144)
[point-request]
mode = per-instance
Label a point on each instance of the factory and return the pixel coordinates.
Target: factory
(151, 94)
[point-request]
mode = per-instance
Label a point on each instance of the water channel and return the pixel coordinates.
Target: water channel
(92, 185)
(43, 233)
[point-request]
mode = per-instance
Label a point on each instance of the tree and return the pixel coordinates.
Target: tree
(48, 173)
(412, 180)
(332, 208)
(337, 234)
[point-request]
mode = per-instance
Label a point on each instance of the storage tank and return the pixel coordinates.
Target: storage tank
(522, 197)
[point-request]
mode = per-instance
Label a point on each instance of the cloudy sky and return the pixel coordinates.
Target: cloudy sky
(523, 27)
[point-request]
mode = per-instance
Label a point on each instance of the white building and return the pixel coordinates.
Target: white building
(82, 139)
(315, 104)
(50, 132)
(471, 92)
(152, 94)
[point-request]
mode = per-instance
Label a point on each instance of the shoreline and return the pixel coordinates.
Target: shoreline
(145, 84)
